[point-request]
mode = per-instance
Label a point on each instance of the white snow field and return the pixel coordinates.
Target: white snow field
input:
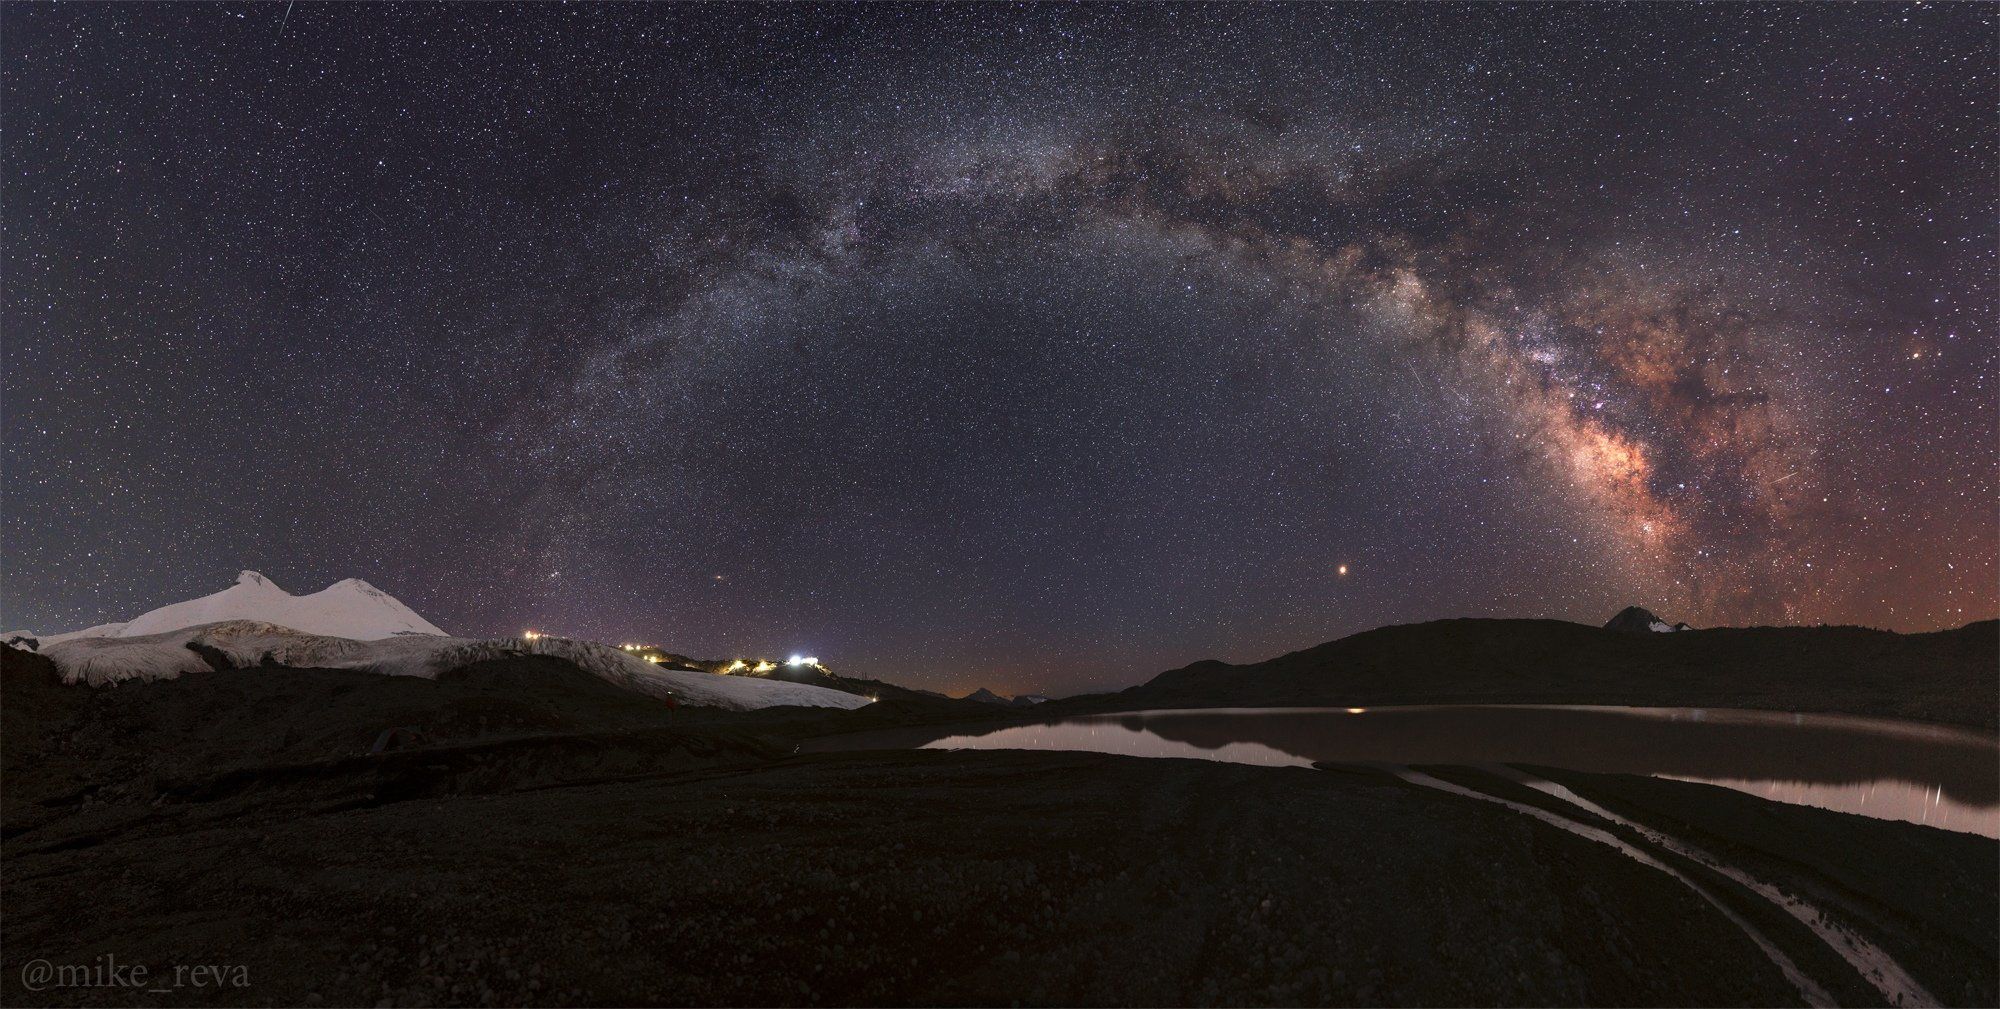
(353, 625)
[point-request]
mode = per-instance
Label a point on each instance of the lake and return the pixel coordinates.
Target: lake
(1935, 775)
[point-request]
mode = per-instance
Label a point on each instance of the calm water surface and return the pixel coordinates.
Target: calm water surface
(1928, 774)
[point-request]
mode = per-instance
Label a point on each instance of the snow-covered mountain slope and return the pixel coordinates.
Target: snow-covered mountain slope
(347, 609)
(250, 643)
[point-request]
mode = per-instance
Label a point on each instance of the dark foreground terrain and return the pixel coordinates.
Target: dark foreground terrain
(549, 842)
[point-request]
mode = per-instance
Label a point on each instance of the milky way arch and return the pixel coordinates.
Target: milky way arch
(1638, 397)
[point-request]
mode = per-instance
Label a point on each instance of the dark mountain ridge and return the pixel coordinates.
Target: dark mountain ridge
(1640, 620)
(985, 696)
(1941, 676)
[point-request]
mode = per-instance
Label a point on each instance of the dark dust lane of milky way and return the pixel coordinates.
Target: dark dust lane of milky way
(1033, 347)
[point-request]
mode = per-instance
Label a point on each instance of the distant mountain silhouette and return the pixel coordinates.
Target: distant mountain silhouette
(1943, 676)
(985, 696)
(1639, 620)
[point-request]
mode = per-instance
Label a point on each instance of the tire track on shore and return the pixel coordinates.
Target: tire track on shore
(1808, 989)
(1873, 963)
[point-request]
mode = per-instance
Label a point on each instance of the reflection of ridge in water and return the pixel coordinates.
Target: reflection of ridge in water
(1108, 737)
(1933, 775)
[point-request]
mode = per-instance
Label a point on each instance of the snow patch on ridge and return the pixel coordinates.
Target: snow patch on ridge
(110, 630)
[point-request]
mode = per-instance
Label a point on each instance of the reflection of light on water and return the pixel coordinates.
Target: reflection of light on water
(1873, 726)
(1883, 800)
(1110, 737)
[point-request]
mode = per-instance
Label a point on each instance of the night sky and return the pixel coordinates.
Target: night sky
(1033, 347)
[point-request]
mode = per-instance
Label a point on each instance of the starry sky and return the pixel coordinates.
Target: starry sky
(1034, 347)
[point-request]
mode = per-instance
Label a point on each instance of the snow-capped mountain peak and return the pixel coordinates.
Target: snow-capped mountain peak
(354, 625)
(350, 608)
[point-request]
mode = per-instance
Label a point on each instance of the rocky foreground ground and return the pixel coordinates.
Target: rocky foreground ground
(547, 847)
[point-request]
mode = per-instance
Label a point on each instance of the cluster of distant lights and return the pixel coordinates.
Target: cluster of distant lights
(652, 654)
